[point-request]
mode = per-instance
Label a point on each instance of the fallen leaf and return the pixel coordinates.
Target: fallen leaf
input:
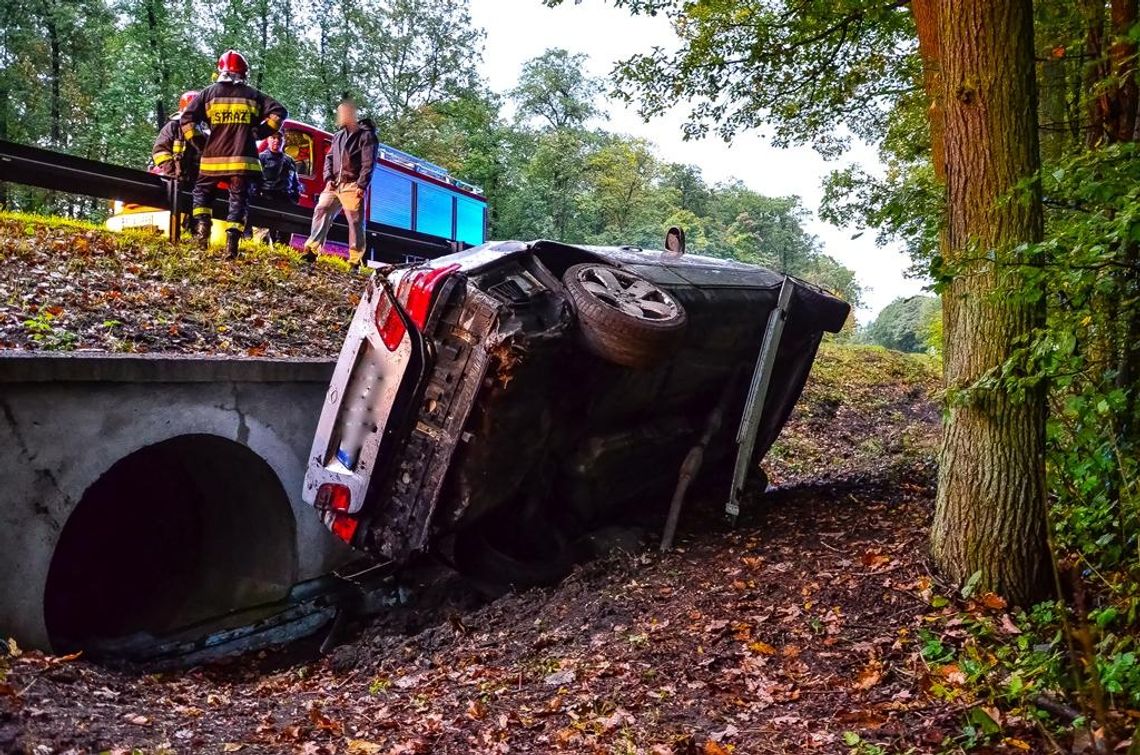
(363, 747)
(559, 678)
(476, 710)
(618, 718)
(871, 675)
(993, 601)
(875, 560)
(727, 732)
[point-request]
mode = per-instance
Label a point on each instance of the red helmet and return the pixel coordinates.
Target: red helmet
(232, 66)
(186, 98)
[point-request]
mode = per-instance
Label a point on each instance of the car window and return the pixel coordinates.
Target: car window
(299, 146)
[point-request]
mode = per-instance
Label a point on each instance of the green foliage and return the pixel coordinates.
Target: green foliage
(44, 332)
(817, 63)
(905, 324)
(554, 89)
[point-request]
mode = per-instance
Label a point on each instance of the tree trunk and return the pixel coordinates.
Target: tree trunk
(926, 14)
(56, 116)
(153, 32)
(1122, 59)
(990, 510)
(1096, 68)
(263, 28)
(4, 98)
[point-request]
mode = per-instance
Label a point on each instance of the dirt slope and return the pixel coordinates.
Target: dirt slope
(71, 286)
(794, 632)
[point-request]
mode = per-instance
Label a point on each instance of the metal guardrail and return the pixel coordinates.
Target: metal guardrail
(55, 171)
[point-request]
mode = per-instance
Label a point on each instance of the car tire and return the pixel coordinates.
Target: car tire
(492, 570)
(622, 317)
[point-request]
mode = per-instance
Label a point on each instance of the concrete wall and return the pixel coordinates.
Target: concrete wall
(65, 419)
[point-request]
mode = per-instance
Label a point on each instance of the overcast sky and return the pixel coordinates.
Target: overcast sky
(518, 30)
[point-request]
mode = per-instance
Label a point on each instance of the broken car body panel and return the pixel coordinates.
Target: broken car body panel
(492, 413)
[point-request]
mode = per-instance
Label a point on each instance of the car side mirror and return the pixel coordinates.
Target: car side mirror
(674, 242)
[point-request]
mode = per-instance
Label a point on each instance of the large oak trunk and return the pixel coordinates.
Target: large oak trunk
(990, 511)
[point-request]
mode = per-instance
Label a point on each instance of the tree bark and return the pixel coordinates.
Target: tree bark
(1122, 60)
(926, 14)
(990, 509)
(56, 116)
(1096, 69)
(156, 51)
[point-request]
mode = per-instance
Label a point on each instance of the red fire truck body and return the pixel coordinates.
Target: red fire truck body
(405, 192)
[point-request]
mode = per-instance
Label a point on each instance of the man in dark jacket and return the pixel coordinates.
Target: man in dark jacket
(278, 180)
(238, 115)
(278, 171)
(348, 170)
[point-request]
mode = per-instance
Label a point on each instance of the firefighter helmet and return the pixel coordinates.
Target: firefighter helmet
(232, 66)
(186, 98)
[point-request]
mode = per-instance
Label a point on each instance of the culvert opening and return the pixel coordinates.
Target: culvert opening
(174, 534)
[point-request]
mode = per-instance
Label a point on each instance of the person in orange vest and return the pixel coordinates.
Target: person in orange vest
(238, 115)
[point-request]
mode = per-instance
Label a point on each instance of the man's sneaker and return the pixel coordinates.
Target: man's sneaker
(309, 253)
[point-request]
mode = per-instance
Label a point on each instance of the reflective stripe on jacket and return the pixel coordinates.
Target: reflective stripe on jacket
(238, 115)
(170, 146)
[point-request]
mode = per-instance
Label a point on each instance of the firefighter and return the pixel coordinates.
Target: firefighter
(169, 155)
(238, 115)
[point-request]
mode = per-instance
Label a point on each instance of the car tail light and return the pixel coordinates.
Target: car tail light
(344, 526)
(333, 497)
(415, 291)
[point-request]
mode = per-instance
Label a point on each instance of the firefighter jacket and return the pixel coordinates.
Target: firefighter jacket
(279, 176)
(238, 115)
(352, 155)
(171, 155)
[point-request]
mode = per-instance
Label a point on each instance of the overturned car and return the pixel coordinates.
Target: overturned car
(499, 404)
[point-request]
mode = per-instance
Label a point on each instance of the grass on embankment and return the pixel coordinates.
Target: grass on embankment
(865, 410)
(68, 285)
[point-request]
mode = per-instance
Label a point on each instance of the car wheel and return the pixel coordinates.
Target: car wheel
(622, 317)
(493, 569)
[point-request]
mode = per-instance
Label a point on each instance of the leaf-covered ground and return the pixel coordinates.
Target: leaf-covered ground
(807, 628)
(71, 286)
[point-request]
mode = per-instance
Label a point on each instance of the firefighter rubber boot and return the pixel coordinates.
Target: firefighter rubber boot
(202, 232)
(233, 236)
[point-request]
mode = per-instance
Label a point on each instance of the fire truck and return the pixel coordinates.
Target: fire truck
(406, 194)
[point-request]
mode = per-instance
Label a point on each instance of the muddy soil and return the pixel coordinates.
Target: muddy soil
(795, 631)
(789, 633)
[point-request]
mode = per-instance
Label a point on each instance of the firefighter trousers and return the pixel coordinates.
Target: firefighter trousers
(207, 186)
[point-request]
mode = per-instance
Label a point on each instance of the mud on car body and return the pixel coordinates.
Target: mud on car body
(500, 403)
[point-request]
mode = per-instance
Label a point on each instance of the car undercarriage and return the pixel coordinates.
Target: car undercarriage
(526, 395)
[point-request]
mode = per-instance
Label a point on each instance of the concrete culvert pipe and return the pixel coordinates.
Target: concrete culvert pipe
(176, 533)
